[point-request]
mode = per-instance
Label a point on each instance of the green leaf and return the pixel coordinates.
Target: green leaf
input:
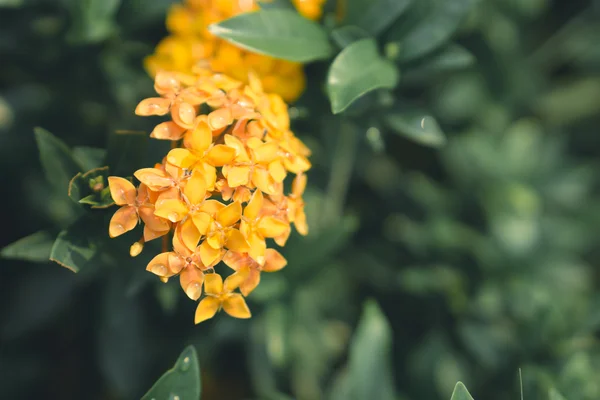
(276, 32)
(57, 160)
(369, 366)
(270, 4)
(89, 157)
(451, 58)
(437, 26)
(375, 16)
(357, 70)
(93, 20)
(347, 35)
(460, 392)
(183, 380)
(35, 247)
(74, 247)
(421, 128)
(555, 395)
(11, 3)
(91, 188)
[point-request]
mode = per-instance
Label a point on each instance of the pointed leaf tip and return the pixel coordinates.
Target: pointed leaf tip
(461, 393)
(182, 381)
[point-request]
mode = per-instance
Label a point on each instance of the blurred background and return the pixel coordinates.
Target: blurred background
(462, 256)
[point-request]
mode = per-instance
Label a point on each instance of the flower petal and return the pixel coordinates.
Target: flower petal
(220, 155)
(266, 153)
(195, 188)
(183, 114)
(277, 171)
(159, 265)
(124, 220)
(152, 221)
(271, 227)
(262, 180)
(153, 178)
(207, 309)
(236, 241)
(220, 118)
(153, 106)
(208, 255)
(213, 284)
(172, 209)
(274, 261)
(121, 190)
(234, 280)
(230, 214)
(236, 306)
(257, 247)
(181, 158)
(202, 221)
(250, 283)
(188, 234)
(254, 205)
(238, 176)
(191, 279)
(167, 131)
(298, 185)
(199, 138)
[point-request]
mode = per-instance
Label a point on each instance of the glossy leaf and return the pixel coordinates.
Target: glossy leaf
(555, 395)
(421, 128)
(89, 157)
(277, 32)
(57, 160)
(357, 70)
(74, 247)
(35, 247)
(374, 16)
(182, 381)
(434, 29)
(347, 35)
(460, 392)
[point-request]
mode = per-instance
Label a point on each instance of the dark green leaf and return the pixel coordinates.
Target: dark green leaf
(421, 128)
(375, 16)
(451, 58)
(437, 26)
(369, 367)
(93, 20)
(75, 247)
(276, 32)
(460, 392)
(89, 157)
(357, 70)
(57, 160)
(35, 247)
(91, 188)
(11, 3)
(348, 34)
(183, 380)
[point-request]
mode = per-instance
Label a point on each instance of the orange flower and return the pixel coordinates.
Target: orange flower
(220, 295)
(273, 261)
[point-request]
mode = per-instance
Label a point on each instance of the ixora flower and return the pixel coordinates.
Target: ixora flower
(190, 44)
(218, 194)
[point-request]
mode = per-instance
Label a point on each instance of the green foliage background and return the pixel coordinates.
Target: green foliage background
(454, 217)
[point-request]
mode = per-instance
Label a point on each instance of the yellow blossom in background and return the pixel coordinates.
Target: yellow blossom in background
(191, 45)
(218, 194)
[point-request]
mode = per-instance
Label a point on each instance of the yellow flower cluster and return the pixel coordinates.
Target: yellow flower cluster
(219, 192)
(190, 45)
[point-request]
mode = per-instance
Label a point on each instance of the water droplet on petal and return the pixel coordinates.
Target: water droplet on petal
(173, 217)
(118, 229)
(194, 290)
(159, 269)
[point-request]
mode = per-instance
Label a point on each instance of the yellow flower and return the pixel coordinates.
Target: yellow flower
(220, 295)
(273, 261)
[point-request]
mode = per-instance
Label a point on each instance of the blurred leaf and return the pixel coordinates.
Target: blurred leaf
(11, 3)
(421, 128)
(357, 70)
(369, 374)
(347, 35)
(451, 58)
(92, 20)
(276, 32)
(35, 247)
(182, 381)
(461, 392)
(74, 247)
(269, 4)
(89, 157)
(374, 16)
(91, 188)
(57, 160)
(434, 29)
(555, 395)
